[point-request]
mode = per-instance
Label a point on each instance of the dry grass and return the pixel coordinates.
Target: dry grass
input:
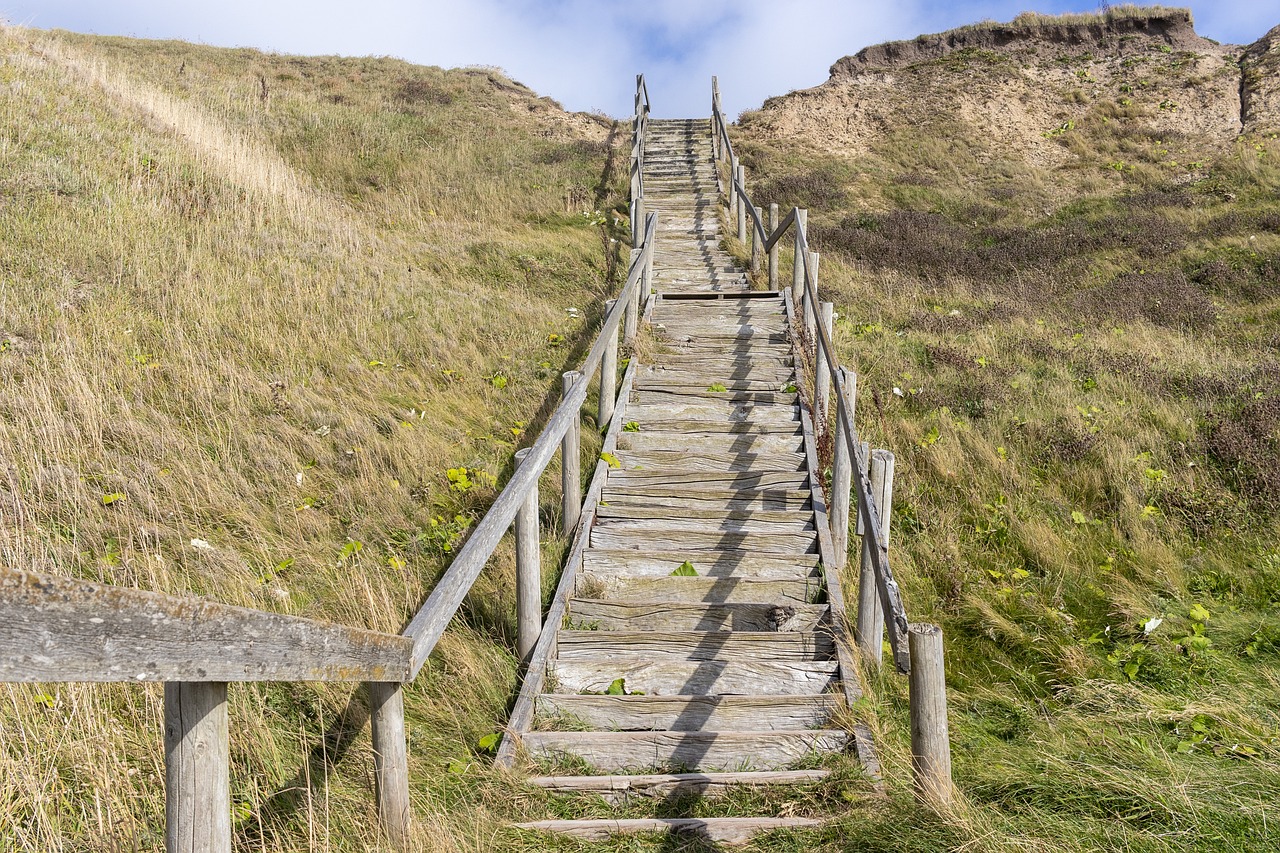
(259, 302)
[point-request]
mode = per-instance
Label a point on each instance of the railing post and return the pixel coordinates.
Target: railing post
(810, 316)
(637, 219)
(870, 629)
(741, 177)
(608, 374)
(773, 252)
(528, 571)
(842, 472)
(930, 744)
(645, 292)
(733, 194)
(822, 370)
(865, 451)
(797, 275)
(629, 323)
(390, 760)
(757, 247)
(571, 464)
(197, 802)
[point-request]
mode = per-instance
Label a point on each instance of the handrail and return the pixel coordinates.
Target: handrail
(887, 588)
(639, 137)
(429, 623)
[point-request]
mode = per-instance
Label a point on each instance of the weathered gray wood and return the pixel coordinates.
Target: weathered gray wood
(623, 646)
(63, 629)
(712, 481)
(619, 751)
(717, 414)
(810, 309)
(870, 630)
(771, 543)
(822, 373)
(197, 804)
(842, 474)
(593, 614)
(528, 569)
(741, 173)
(660, 564)
(536, 672)
(656, 440)
(608, 373)
(757, 241)
(797, 274)
(862, 464)
(616, 788)
(631, 319)
(734, 202)
(719, 460)
(693, 713)
(712, 587)
(633, 508)
(725, 830)
(390, 760)
(571, 464)
(772, 249)
(930, 743)
(666, 677)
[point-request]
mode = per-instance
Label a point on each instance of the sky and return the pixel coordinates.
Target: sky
(585, 53)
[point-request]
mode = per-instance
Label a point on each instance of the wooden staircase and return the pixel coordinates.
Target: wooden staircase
(703, 645)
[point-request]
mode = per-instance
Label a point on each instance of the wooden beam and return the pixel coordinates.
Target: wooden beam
(197, 802)
(64, 629)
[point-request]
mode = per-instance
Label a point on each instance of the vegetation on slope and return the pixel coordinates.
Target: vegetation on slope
(1075, 361)
(270, 331)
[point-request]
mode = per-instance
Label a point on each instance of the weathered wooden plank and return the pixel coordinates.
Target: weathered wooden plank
(620, 522)
(722, 830)
(772, 543)
(623, 646)
(63, 629)
(604, 615)
(633, 508)
(718, 414)
(197, 804)
(710, 443)
(679, 677)
(804, 590)
(618, 751)
(684, 460)
(692, 713)
(710, 481)
(660, 564)
(719, 499)
(615, 788)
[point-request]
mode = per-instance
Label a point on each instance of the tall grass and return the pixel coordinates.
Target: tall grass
(253, 309)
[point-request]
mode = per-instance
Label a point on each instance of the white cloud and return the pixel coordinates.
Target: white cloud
(585, 53)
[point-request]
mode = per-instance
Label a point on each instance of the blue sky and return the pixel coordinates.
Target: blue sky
(585, 53)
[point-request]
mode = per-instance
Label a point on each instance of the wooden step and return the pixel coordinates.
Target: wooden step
(604, 615)
(663, 440)
(602, 536)
(616, 787)
(710, 481)
(692, 713)
(634, 508)
(720, 589)
(724, 460)
(623, 518)
(777, 499)
(659, 564)
(620, 751)
(723, 830)
(630, 647)
(667, 677)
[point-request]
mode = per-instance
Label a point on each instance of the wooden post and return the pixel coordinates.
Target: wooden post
(390, 760)
(822, 370)
(773, 252)
(870, 629)
(810, 314)
(797, 275)
(842, 473)
(757, 243)
(571, 464)
(741, 177)
(930, 745)
(528, 571)
(637, 219)
(629, 323)
(608, 374)
(197, 802)
(865, 451)
(733, 179)
(645, 292)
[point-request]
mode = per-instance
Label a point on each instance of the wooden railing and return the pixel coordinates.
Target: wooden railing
(639, 133)
(58, 629)
(857, 471)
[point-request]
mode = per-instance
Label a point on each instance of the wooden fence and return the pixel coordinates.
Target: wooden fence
(57, 629)
(857, 472)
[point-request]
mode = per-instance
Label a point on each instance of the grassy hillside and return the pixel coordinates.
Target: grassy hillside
(254, 310)
(1075, 360)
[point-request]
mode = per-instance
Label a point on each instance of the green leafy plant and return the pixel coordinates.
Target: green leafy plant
(611, 460)
(716, 387)
(684, 570)
(112, 498)
(631, 426)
